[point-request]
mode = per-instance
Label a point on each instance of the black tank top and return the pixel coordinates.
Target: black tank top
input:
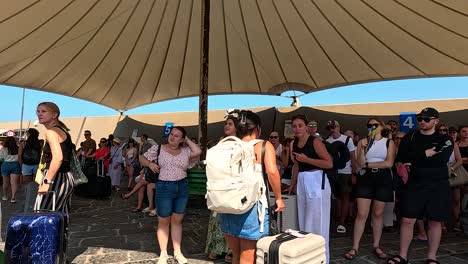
(464, 154)
(309, 151)
(66, 147)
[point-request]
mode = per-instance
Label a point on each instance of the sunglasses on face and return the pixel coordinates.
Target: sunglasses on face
(443, 130)
(312, 125)
(273, 136)
(331, 127)
(425, 119)
(372, 126)
(87, 135)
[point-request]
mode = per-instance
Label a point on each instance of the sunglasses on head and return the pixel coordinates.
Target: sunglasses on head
(373, 126)
(273, 136)
(425, 119)
(312, 125)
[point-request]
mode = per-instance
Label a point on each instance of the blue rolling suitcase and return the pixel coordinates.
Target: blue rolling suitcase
(36, 238)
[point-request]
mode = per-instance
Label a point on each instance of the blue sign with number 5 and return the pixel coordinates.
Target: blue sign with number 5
(407, 122)
(167, 129)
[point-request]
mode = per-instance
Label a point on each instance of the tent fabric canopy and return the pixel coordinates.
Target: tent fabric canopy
(128, 53)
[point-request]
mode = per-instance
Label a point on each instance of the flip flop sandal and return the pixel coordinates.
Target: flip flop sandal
(350, 256)
(417, 239)
(136, 210)
(228, 258)
(381, 255)
(397, 260)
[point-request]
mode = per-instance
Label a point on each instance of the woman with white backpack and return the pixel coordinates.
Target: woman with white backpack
(243, 230)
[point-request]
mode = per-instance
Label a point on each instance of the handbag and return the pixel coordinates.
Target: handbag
(40, 168)
(75, 168)
(458, 177)
(151, 176)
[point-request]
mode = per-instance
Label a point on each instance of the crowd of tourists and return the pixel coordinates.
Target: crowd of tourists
(398, 180)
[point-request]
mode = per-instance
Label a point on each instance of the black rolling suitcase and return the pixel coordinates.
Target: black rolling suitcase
(103, 181)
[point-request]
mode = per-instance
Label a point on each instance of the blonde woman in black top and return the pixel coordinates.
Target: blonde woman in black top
(57, 152)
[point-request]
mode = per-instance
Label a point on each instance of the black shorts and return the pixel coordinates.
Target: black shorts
(375, 185)
(340, 183)
(431, 201)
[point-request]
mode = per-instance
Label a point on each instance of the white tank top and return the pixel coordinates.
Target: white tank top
(378, 151)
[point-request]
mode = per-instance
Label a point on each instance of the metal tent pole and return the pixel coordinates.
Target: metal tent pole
(21, 118)
(203, 96)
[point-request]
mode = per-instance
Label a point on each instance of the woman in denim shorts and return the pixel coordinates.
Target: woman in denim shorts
(10, 168)
(171, 187)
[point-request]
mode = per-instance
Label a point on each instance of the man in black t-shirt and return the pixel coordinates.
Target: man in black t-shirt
(425, 154)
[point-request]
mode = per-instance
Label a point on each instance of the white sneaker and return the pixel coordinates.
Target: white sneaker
(4, 198)
(146, 210)
(163, 257)
(180, 257)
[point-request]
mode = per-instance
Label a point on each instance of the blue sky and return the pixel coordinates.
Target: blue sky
(387, 91)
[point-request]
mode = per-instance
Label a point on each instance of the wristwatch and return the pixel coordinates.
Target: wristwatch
(46, 181)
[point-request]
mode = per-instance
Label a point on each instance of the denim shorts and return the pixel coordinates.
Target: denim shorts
(10, 168)
(29, 170)
(171, 197)
(245, 226)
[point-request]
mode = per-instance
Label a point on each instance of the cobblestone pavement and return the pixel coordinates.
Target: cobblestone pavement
(105, 231)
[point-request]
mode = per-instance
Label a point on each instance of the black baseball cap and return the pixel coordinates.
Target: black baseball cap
(429, 112)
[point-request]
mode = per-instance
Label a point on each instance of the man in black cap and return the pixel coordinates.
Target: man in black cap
(425, 154)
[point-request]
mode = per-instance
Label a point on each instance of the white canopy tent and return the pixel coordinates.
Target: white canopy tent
(127, 53)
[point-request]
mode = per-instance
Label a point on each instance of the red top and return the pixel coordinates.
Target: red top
(103, 153)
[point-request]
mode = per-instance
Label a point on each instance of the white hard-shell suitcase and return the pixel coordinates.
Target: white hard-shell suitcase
(291, 248)
(288, 218)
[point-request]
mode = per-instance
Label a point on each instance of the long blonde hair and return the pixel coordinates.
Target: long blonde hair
(55, 109)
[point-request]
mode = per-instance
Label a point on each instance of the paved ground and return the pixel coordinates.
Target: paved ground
(107, 232)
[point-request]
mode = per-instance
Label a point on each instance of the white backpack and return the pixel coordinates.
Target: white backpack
(233, 185)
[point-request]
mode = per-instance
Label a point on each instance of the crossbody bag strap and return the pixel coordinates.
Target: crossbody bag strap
(157, 159)
(157, 154)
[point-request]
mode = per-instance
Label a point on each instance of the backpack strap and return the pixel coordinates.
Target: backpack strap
(388, 142)
(347, 141)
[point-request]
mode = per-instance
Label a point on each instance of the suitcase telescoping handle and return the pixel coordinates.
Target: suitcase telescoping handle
(37, 204)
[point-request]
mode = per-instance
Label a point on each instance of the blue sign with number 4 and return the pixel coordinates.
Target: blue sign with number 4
(407, 122)
(167, 129)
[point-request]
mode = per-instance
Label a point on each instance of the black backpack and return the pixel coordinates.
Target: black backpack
(339, 152)
(31, 155)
